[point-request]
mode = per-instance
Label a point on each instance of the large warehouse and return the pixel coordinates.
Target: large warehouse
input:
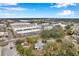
(25, 28)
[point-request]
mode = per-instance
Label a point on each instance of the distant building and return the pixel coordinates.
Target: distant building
(25, 21)
(62, 25)
(11, 21)
(2, 27)
(47, 26)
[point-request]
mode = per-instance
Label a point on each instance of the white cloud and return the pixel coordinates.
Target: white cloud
(4, 8)
(19, 9)
(58, 5)
(66, 12)
(15, 9)
(10, 3)
(7, 4)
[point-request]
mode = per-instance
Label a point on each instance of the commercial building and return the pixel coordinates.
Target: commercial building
(25, 28)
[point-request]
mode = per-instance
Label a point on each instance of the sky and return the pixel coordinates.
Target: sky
(39, 10)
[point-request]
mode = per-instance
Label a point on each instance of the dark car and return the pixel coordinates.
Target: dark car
(11, 47)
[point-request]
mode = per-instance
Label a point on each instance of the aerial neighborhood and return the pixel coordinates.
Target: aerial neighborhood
(38, 37)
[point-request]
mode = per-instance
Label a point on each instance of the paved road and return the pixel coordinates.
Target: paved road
(10, 35)
(7, 51)
(10, 49)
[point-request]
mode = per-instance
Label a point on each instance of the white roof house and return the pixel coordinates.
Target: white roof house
(39, 45)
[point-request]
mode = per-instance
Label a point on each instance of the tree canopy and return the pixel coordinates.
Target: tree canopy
(56, 32)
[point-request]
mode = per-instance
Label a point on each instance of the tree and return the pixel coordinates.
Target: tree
(19, 41)
(64, 48)
(20, 49)
(68, 29)
(45, 34)
(23, 51)
(69, 26)
(56, 33)
(32, 39)
(48, 49)
(28, 52)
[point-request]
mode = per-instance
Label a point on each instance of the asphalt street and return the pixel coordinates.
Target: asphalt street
(10, 49)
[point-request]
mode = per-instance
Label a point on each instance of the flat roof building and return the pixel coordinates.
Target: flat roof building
(24, 28)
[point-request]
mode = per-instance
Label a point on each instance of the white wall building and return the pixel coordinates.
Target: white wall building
(23, 28)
